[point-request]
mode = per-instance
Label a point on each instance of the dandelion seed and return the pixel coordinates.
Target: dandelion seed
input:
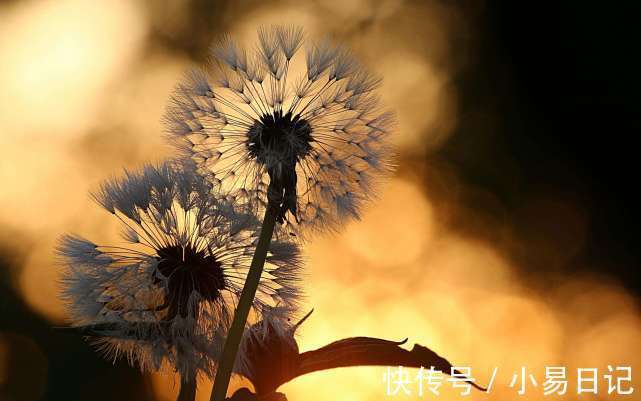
(168, 294)
(311, 144)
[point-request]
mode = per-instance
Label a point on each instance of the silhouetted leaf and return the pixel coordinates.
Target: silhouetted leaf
(275, 362)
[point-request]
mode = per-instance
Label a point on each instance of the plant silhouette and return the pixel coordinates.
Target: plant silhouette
(274, 362)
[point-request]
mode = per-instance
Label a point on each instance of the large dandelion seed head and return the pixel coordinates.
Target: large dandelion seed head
(168, 293)
(300, 129)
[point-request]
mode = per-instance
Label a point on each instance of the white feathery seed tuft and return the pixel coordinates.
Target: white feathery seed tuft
(313, 143)
(169, 292)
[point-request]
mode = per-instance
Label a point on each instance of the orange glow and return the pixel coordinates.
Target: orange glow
(82, 97)
(165, 386)
(386, 241)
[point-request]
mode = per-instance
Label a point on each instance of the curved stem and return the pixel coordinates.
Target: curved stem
(232, 342)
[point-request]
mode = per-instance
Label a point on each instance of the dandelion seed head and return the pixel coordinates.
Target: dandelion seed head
(287, 122)
(269, 346)
(167, 294)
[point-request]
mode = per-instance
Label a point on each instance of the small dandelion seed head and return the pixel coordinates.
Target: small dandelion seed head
(269, 346)
(301, 129)
(167, 294)
(266, 345)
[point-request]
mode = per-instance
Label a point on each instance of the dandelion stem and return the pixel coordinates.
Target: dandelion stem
(187, 389)
(226, 363)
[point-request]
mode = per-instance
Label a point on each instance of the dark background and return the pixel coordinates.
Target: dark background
(559, 84)
(554, 88)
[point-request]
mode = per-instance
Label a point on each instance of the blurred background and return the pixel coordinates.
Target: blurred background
(507, 238)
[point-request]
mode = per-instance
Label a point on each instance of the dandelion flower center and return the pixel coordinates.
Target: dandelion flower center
(279, 138)
(189, 270)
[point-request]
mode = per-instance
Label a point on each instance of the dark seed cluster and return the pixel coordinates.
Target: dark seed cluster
(188, 270)
(278, 142)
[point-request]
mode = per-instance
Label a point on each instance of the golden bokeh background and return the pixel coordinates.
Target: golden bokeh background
(84, 84)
